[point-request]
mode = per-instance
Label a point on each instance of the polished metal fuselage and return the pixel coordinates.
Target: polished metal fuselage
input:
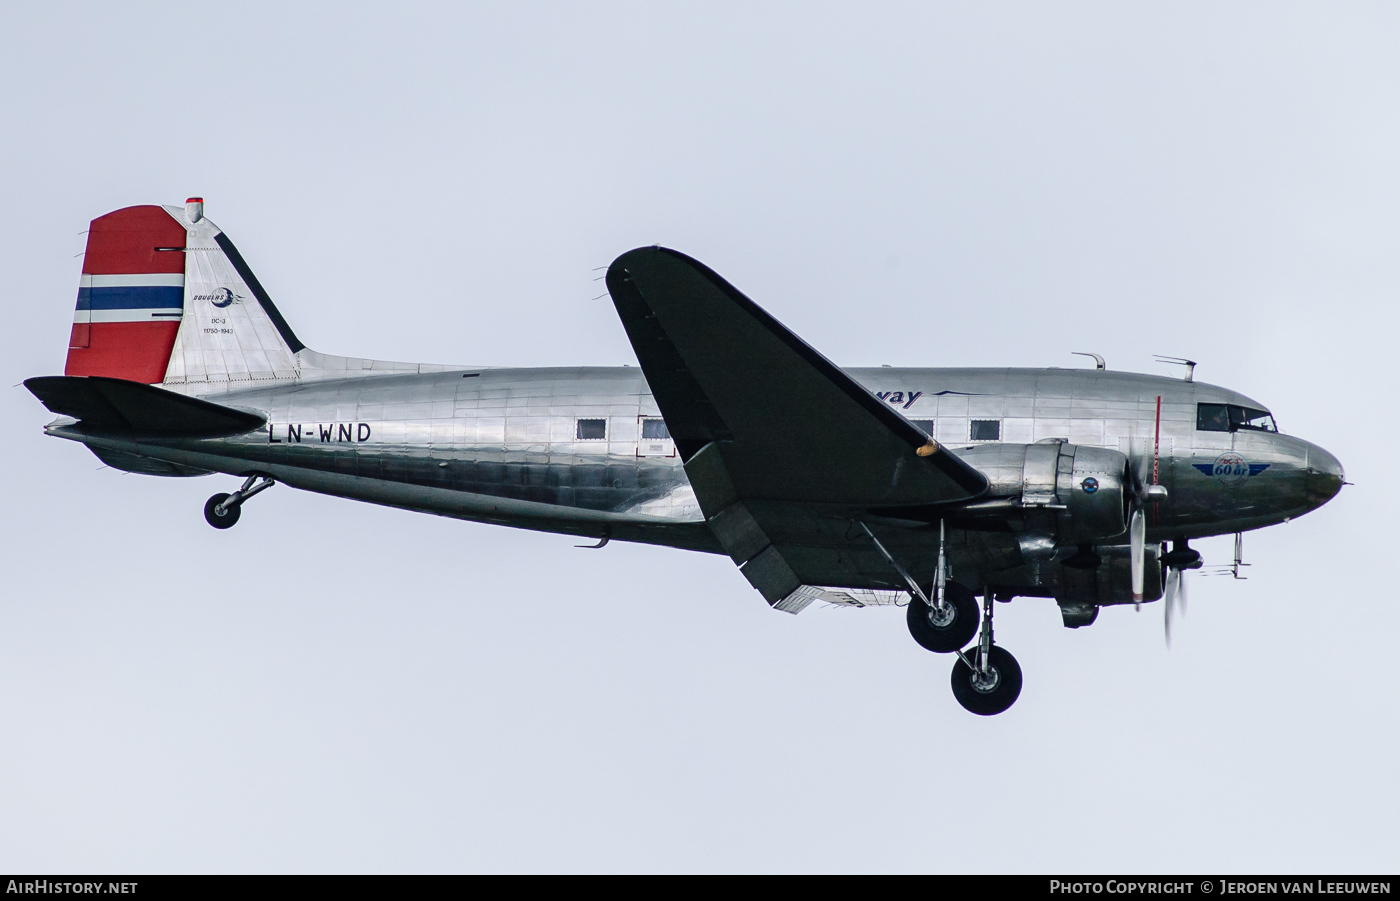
(503, 446)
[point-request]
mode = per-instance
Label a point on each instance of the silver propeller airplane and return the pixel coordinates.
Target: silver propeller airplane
(936, 489)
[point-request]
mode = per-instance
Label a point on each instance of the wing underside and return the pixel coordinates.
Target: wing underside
(785, 451)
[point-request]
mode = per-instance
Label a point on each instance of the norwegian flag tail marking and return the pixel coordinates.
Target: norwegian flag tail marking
(130, 297)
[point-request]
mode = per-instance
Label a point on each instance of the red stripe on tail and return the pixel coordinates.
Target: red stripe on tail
(135, 351)
(125, 242)
(138, 240)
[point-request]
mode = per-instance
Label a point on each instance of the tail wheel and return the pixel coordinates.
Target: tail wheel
(949, 633)
(990, 693)
(220, 520)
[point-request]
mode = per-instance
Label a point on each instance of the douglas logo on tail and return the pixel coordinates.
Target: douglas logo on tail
(817, 488)
(223, 297)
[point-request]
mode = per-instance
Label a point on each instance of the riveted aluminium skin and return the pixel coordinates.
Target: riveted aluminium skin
(507, 437)
(776, 456)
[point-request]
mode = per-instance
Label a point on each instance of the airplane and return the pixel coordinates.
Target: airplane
(942, 490)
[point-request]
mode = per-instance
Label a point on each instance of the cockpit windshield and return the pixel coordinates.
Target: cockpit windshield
(1233, 418)
(1245, 418)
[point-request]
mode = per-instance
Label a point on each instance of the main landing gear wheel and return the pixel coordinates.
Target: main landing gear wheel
(218, 516)
(949, 632)
(989, 693)
(986, 678)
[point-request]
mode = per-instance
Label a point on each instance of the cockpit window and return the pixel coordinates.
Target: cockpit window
(1232, 418)
(1245, 418)
(1212, 417)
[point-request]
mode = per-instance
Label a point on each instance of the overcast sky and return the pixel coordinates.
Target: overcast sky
(332, 686)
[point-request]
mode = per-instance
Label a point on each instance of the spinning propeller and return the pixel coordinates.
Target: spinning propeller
(1137, 522)
(1175, 562)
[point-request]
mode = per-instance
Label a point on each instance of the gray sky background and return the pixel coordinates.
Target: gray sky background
(334, 686)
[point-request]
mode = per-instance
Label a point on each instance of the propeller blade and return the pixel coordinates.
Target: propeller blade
(1181, 592)
(1137, 540)
(1169, 598)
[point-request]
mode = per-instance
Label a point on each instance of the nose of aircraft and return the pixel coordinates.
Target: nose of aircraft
(1325, 476)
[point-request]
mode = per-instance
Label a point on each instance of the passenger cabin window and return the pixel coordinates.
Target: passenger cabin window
(986, 430)
(591, 430)
(1233, 418)
(925, 425)
(654, 430)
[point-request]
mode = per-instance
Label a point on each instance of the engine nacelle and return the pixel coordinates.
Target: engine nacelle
(1096, 494)
(1075, 494)
(1081, 592)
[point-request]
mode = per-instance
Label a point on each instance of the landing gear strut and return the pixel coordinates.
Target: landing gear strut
(989, 680)
(222, 510)
(948, 620)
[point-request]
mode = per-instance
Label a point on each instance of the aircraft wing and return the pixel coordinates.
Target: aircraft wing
(781, 446)
(789, 424)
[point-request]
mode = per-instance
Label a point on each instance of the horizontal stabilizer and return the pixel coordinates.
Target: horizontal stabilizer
(118, 405)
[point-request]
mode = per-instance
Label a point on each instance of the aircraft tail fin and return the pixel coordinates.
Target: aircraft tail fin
(232, 335)
(131, 296)
(166, 298)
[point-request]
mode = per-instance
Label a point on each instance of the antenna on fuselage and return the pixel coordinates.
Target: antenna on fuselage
(1098, 360)
(1180, 361)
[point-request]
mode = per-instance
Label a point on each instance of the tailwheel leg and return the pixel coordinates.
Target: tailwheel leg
(988, 680)
(222, 510)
